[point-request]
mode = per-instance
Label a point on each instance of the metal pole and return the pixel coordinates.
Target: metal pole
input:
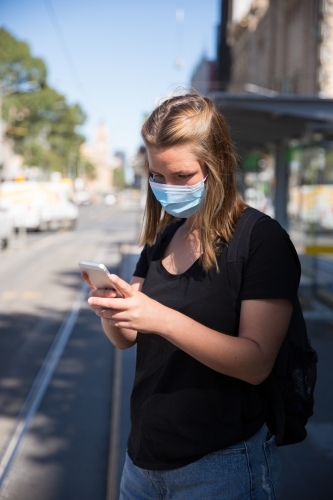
(281, 185)
(1, 148)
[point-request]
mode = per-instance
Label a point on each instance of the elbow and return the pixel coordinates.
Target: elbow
(259, 371)
(123, 347)
(256, 380)
(258, 377)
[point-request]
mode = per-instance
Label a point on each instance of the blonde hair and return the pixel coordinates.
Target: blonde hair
(194, 120)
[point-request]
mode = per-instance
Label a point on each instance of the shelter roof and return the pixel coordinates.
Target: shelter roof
(258, 121)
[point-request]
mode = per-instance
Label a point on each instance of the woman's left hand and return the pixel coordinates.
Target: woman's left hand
(134, 310)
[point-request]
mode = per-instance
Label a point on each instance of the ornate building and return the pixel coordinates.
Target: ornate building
(98, 154)
(284, 46)
(204, 78)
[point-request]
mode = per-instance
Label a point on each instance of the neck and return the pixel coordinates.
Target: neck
(191, 223)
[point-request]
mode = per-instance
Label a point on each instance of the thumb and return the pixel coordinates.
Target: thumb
(121, 286)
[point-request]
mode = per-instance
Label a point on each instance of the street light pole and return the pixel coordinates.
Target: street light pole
(9, 90)
(1, 160)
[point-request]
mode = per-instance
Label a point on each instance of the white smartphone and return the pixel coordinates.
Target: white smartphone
(98, 275)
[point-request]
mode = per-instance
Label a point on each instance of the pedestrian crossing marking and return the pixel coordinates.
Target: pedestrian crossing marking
(30, 295)
(9, 295)
(25, 295)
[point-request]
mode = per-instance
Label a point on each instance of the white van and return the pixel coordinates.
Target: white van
(45, 205)
(6, 227)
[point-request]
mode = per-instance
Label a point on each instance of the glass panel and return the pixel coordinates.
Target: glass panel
(310, 213)
(259, 181)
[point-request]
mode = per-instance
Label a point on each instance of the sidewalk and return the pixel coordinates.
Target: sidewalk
(308, 467)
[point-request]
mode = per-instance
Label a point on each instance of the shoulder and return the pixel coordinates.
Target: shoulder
(256, 231)
(269, 233)
(271, 245)
(272, 269)
(267, 228)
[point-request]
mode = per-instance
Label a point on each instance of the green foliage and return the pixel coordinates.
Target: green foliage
(119, 178)
(17, 66)
(42, 125)
(87, 168)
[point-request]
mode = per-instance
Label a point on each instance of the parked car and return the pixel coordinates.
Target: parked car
(110, 199)
(6, 227)
(82, 198)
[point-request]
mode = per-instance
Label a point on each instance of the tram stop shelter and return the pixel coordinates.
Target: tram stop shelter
(263, 122)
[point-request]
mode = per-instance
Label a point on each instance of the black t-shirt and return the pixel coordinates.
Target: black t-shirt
(182, 410)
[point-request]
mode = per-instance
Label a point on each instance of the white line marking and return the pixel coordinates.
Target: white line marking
(40, 385)
(41, 382)
(112, 478)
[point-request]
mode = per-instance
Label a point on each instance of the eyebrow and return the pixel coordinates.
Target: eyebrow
(177, 172)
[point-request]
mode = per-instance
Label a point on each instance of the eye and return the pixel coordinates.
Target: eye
(185, 176)
(156, 177)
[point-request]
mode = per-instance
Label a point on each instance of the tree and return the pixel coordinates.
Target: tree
(119, 178)
(17, 66)
(41, 124)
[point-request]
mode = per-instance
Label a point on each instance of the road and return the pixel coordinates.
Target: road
(64, 454)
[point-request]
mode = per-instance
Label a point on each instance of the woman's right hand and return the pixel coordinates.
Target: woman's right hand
(120, 337)
(95, 292)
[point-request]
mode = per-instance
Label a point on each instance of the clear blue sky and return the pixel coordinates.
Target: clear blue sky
(120, 53)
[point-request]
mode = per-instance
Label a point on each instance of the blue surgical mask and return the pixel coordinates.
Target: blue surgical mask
(179, 201)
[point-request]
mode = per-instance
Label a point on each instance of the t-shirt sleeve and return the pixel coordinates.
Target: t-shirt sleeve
(142, 265)
(273, 269)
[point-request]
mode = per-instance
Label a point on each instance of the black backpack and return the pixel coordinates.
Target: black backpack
(290, 386)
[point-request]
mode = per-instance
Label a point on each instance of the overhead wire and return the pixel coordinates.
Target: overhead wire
(179, 18)
(65, 50)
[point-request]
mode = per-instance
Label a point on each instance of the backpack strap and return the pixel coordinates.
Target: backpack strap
(239, 245)
(275, 399)
(237, 255)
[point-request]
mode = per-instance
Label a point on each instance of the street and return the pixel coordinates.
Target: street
(65, 452)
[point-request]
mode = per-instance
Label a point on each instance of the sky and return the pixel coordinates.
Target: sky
(115, 57)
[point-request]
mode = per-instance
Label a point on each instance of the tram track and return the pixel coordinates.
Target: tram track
(39, 387)
(42, 380)
(20, 433)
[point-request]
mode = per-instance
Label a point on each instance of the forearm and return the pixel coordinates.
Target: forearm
(234, 356)
(250, 356)
(122, 338)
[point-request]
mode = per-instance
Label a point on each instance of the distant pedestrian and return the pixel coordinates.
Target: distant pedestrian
(198, 406)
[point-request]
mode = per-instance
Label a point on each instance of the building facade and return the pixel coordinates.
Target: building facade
(204, 78)
(98, 154)
(284, 46)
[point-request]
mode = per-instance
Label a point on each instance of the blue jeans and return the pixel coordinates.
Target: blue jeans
(249, 470)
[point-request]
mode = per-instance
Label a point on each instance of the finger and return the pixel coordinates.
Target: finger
(124, 288)
(100, 312)
(111, 314)
(86, 278)
(116, 322)
(112, 303)
(102, 293)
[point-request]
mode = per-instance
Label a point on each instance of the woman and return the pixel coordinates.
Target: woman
(198, 406)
